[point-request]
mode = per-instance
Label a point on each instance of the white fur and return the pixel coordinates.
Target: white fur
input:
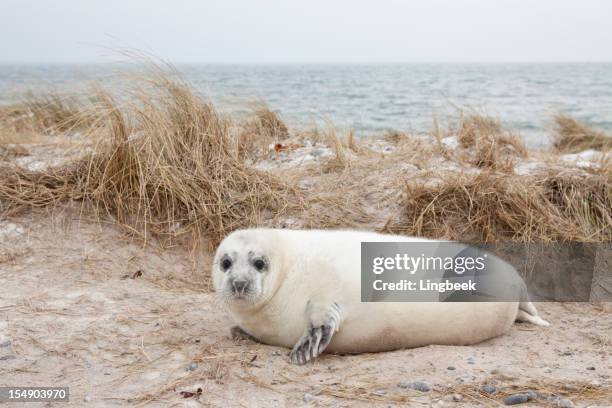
(323, 267)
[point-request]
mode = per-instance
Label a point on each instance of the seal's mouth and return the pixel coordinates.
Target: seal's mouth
(239, 296)
(241, 300)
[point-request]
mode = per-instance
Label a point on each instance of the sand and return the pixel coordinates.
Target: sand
(82, 305)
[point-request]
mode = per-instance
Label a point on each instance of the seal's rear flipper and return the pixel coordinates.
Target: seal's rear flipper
(528, 313)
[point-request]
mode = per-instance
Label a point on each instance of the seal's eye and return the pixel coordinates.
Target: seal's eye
(226, 263)
(259, 264)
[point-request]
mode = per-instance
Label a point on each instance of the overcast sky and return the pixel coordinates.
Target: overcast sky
(308, 31)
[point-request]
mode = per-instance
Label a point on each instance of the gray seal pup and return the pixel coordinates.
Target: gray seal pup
(301, 289)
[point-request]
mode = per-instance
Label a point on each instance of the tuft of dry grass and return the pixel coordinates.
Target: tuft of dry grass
(269, 123)
(490, 146)
(264, 128)
(21, 188)
(41, 114)
(394, 137)
(163, 163)
(489, 207)
(572, 136)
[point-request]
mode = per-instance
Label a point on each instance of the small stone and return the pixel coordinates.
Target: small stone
(515, 399)
(457, 397)
(488, 389)
(565, 403)
(451, 368)
(5, 343)
(309, 398)
(471, 360)
(192, 367)
(87, 398)
(591, 368)
(420, 386)
(380, 393)
(276, 353)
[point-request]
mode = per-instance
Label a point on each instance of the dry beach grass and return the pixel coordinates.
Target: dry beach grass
(489, 207)
(163, 162)
(573, 136)
(167, 162)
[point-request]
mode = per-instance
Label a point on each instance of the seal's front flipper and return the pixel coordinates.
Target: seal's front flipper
(236, 333)
(323, 323)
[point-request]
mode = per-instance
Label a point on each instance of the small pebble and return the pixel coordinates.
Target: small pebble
(488, 389)
(5, 343)
(380, 393)
(457, 397)
(591, 368)
(451, 368)
(420, 386)
(516, 399)
(565, 403)
(309, 398)
(87, 398)
(471, 360)
(192, 367)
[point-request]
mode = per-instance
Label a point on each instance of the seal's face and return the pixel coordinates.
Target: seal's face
(242, 269)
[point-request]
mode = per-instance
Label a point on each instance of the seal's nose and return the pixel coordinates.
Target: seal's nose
(240, 286)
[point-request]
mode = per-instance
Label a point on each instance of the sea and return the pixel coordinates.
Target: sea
(368, 98)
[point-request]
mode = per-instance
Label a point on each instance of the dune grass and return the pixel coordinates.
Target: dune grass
(164, 161)
(161, 163)
(490, 145)
(491, 207)
(39, 115)
(573, 136)
(263, 128)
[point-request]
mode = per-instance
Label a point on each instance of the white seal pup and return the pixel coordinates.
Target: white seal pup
(302, 290)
